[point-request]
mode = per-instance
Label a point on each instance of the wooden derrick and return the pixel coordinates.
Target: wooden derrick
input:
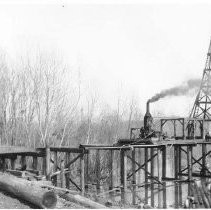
(27, 191)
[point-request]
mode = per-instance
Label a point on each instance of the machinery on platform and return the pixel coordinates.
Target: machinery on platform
(145, 133)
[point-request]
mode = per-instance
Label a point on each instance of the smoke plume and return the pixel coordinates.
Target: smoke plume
(178, 90)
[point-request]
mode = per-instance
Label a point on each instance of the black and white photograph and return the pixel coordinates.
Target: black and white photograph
(105, 104)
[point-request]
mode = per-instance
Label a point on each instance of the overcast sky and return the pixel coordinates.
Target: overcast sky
(143, 47)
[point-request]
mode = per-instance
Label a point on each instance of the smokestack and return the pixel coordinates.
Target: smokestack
(147, 107)
(147, 118)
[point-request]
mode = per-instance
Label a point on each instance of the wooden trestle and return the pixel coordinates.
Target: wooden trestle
(129, 167)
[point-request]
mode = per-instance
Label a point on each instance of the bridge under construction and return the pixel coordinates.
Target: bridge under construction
(136, 164)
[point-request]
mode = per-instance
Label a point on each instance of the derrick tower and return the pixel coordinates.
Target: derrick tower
(202, 105)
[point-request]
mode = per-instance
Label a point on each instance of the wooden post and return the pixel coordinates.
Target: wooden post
(161, 126)
(203, 133)
(159, 160)
(146, 174)
(174, 122)
(139, 160)
(194, 129)
(189, 162)
(67, 176)
(183, 128)
(164, 162)
(180, 193)
(152, 174)
(55, 165)
(34, 163)
(86, 172)
(134, 176)
(82, 174)
(164, 195)
(204, 152)
(159, 176)
(176, 195)
(111, 170)
(13, 162)
(175, 162)
(23, 162)
(62, 174)
(3, 164)
(97, 166)
(179, 160)
(44, 165)
(123, 174)
(48, 161)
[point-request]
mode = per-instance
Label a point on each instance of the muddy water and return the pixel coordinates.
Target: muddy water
(169, 194)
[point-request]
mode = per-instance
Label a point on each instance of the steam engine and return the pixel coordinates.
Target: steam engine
(146, 132)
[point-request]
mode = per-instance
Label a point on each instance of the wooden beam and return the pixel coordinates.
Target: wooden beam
(141, 166)
(73, 160)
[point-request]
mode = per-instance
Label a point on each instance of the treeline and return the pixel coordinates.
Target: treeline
(42, 101)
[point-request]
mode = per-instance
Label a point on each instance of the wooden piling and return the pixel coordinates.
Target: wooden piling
(164, 195)
(34, 163)
(13, 162)
(23, 162)
(139, 160)
(159, 176)
(164, 157)
(111, 169)
(176, 196)
(67, 176)
(86, 172)
(159, 161)
(179, 160)
(62, 174)
(174, 122)
(183, 129)
(123, 174)
(55, 165)
(97, 169)
(82, 174)
(204, 152)
(176, 162)
(3, 164)
(48, 161)
(134, 177)
(152, 174)
(44, 165)
(189, 162)
(146, 174)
